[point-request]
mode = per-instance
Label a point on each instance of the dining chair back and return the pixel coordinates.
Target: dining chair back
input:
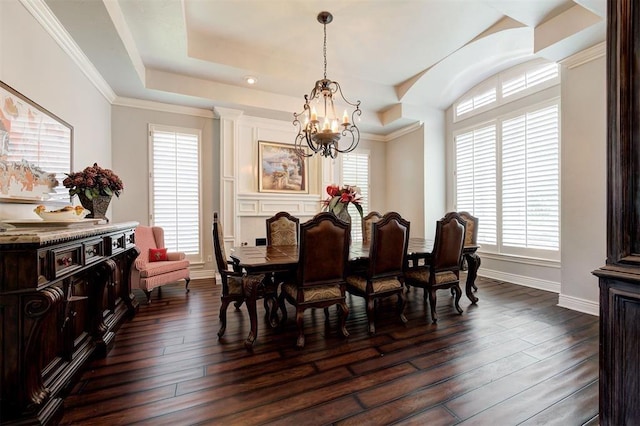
(384, 276)
(471, 230)
(320, 277)
(443, 270)
(367, 225)
(282, 229)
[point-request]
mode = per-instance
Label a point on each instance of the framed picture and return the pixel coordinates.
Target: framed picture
(35, 149)
(280, 169)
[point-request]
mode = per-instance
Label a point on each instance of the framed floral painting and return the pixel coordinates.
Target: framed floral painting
(35, 149)
(280, 169)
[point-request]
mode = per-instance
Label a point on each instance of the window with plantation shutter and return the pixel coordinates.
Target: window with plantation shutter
(355, 172)
(530, 180)
(175, 187)
(476, 179)
(530, 78)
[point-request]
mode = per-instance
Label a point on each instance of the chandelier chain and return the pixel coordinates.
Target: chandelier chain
(324, 50)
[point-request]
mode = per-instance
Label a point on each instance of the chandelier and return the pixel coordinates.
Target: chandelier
(322, 133)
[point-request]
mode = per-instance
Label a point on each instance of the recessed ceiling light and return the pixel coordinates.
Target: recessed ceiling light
(250, 79)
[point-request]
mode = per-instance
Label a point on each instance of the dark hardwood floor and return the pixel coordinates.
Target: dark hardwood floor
(514, 359)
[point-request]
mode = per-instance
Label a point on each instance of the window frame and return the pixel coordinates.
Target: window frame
(193, 258)
(499, 248)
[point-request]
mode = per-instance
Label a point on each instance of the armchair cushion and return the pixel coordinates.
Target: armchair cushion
(158, 268)
(158, 254)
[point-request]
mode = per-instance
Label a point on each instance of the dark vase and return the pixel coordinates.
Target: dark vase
(98, 205)
(343, 215)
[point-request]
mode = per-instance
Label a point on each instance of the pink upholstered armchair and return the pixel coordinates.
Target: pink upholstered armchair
(164, 268)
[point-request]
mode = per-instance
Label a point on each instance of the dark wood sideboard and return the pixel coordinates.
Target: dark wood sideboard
(63, 294)
(620, 278)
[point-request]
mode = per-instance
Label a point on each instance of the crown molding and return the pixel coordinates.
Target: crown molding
(41, 12)
(584, 56)
(405, 130)
(162, 107)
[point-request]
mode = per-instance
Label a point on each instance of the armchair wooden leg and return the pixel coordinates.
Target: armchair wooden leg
(148, 294)
(186, 284)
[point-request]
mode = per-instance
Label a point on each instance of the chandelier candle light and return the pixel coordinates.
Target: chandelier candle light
(321, 134)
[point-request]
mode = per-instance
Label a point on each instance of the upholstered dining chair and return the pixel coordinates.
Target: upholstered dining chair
(233, 282)
(155, 266)
(443, 270)
(367, 224)
(282, 229)
(384, 275)
(322, 264)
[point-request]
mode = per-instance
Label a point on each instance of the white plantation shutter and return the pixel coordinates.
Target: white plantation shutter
(484, 98)
(175, 183)
(529, 78)
(355, 172)
(476, 179)
(530, 180)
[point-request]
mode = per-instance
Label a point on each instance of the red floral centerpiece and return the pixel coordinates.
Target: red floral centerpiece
(339, 200)
(94, 186)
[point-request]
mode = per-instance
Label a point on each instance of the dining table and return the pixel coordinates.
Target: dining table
(270, 260)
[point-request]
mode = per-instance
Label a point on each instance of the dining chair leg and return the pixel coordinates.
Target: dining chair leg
(300, 323)
(223, 316)
(401, 305)
(458, 292)
(370, 315)
(343, 318)
(432, 303)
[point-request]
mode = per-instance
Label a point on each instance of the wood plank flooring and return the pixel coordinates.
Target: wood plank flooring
(514, 359)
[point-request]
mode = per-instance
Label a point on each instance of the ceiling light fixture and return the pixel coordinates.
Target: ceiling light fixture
(250, 79)
(321, 133)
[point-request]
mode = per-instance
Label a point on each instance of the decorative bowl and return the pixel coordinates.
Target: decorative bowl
(67, 213)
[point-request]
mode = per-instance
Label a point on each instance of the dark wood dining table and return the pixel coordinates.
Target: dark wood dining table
(281, 259)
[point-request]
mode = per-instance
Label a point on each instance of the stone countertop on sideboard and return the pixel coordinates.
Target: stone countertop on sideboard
(45, 235)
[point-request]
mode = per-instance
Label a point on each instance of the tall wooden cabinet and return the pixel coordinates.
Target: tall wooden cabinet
(620, 277)
(63, 293)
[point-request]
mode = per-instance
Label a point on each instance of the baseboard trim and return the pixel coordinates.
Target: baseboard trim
(580, 305)
(520, 280)
(202, 274)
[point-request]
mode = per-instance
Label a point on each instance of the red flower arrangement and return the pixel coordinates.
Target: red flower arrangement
(339, 199)
(93, 181)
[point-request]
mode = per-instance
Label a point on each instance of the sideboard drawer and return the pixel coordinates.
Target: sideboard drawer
(93, 250)
(66, 259)
(130, 239)
(114, 243)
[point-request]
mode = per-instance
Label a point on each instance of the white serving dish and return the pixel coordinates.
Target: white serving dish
(65, 214)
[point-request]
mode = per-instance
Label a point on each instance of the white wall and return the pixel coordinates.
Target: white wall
(35, 65)
(584, 178)
(405, 171)
(130, 127)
